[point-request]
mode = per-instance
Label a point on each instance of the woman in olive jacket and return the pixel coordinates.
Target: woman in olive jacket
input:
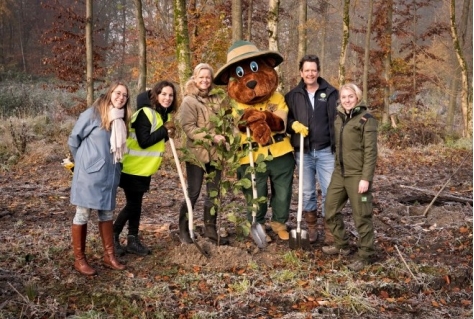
(194, 116)
(356, 155)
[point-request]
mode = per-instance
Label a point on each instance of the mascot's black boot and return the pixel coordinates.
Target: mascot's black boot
(210, 229)
(183, 226)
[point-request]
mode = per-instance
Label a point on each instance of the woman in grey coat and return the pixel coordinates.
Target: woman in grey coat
(97, 143)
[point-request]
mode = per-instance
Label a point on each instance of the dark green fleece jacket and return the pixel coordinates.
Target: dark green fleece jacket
(356, 142)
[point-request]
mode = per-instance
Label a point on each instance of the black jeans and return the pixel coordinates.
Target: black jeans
(131, 213)
(195, 179)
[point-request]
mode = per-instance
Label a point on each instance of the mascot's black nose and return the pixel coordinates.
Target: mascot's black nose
(251, 84)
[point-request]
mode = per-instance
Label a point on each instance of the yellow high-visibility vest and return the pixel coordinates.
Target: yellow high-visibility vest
(139, 161)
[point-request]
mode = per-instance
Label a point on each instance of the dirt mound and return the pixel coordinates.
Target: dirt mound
(220, 257)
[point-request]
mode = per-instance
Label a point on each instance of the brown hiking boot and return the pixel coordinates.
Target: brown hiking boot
(328, 237)
(311, 221)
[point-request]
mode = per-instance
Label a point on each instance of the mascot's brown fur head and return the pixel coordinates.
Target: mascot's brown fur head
(249, 73)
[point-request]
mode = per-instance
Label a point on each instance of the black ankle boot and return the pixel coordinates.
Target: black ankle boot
(119, 249)
(183, 226)
(134, 246)
(210, 227)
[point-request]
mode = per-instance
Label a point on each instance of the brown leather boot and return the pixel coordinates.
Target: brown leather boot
(311, 219)
(107, 234)
(79, 234)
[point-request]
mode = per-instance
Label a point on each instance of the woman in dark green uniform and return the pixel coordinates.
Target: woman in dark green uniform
(356, 154)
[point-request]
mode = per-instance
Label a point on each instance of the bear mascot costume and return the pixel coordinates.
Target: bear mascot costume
(252, 82)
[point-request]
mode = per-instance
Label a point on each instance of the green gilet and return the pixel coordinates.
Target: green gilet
(144, 161)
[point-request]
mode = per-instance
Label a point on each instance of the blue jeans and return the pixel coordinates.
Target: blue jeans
(317, 165)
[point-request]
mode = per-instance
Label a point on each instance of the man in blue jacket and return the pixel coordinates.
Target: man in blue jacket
(312, 110)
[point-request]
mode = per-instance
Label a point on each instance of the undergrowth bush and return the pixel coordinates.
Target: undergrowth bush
(31, 98)
(411, 134)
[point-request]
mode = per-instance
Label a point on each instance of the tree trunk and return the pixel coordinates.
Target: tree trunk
(322, 44)
(365, 76)
(249, 22)
(302, 16)
(273, 7)
(345, 41)
(123, 29)
(452, 106)
(141, 85)
(21, 39)
(387, 48)
(89, 56)
(182, 42)
(467, 131)
(236, 20)
(414, 39)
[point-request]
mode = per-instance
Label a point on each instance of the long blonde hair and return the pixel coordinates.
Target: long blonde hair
(102, 105)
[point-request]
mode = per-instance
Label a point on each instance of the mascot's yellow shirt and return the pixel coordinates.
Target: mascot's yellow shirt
(278, 146)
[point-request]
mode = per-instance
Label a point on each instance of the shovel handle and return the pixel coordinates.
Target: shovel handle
(300, 186)
(183, 186)
(252, 174)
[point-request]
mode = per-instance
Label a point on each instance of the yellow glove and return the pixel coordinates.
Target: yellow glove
(68, 164)
(299, 128)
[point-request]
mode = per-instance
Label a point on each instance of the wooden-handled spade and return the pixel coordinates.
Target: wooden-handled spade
(299, 238)
(188, 201)
(256, 230)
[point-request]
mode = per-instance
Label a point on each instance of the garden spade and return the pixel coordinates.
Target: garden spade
(298, 237)
(188, 201)
(256, 230)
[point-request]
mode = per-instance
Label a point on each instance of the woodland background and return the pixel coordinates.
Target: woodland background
(416, 54)
(416, 67)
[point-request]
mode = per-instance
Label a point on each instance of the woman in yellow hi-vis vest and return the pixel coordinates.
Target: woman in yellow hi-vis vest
(150, 128)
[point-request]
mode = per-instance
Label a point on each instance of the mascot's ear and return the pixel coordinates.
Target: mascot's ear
(225, 77)
(271, 61)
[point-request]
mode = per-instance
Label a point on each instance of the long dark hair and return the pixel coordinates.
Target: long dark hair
(154, 97)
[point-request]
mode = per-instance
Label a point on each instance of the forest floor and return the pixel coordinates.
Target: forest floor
(423, 270)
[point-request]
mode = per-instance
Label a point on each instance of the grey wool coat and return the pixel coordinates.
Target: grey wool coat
(96, 177)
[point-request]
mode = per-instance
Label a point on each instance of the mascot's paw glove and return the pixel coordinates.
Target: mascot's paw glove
(274, 122)
(261, 132)
(300, 128)
(251, 116)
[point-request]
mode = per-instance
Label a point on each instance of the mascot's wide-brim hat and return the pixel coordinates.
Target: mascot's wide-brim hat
(242, 50)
